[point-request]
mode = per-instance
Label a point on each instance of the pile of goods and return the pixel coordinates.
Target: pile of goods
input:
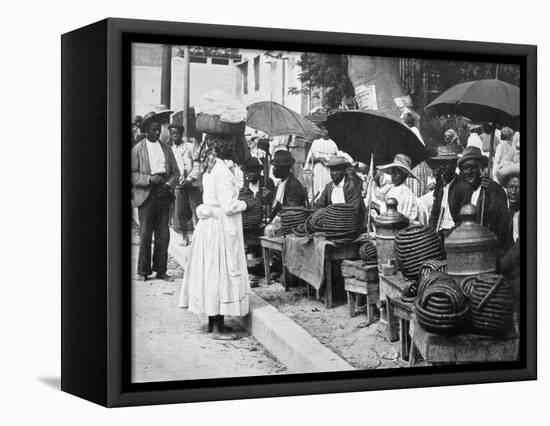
(218, 114)
(292, 217)
(441, 306)
(367, 253)
(253, 215)
(338, 222)
(414, 245)
(491, 303)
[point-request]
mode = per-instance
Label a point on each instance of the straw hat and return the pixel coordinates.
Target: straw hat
(444, 153)
(154, 117)
(507, 171)
(337, 161)
(401, 161)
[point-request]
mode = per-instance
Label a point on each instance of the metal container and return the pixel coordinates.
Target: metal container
(471, 248)
(387, 225)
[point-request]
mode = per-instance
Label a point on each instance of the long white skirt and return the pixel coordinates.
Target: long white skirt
(215, 278)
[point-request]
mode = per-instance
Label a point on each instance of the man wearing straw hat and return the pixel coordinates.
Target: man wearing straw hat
(487, 195)
(342, 189)
(447, 192)
(399, 170)
(155, 174)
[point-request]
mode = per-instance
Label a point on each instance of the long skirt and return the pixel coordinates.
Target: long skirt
(215, 279)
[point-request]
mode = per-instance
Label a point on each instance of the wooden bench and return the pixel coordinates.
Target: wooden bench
(464, 348)
(361, 280)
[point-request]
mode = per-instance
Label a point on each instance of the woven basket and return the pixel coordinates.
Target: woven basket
(441, 307)
(415, 245)
(212, 125)
(492, 305)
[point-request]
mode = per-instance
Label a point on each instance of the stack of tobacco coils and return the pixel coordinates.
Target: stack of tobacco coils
(414, 245)
(291, 218)
(253, 215)
(431, 266)
(337, 222)
(491, 303)
(441, 306)
(340, 222)
(367, 253)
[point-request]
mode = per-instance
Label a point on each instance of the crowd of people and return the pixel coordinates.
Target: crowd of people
(194, 184)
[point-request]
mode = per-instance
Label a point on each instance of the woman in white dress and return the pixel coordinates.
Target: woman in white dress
(215, 280)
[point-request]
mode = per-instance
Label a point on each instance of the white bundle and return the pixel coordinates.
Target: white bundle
(222, 105)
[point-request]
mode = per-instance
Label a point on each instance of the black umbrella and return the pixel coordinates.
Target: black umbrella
(483, 100)
(362, 133)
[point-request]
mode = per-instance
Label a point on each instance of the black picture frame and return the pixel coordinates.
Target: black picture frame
(96, 210)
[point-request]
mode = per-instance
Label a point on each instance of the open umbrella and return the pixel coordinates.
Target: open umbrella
(363, 134)
(277, 120)
(483, 100)
(489, 100)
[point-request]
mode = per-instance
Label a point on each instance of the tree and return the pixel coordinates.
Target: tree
(328, 71)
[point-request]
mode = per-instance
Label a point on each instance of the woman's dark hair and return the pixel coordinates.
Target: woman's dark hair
(223, 147)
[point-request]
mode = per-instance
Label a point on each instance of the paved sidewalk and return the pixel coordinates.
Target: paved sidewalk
(168, 343)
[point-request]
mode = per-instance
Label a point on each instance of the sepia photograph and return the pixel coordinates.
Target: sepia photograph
(304, 212)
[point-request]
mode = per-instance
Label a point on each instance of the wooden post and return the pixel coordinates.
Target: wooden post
(490, 167)
(166, 75)
(186, 81)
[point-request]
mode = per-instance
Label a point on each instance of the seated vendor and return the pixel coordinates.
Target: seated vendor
(262, 188)
(342, 189)
(399, 170)
(289, 192)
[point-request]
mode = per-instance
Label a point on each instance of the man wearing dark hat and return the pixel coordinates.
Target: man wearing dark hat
(487, 195)
(263, 188)
(290, 192)
(450, 192)
(155, 174)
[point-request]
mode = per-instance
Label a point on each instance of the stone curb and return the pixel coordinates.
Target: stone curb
(282, 337)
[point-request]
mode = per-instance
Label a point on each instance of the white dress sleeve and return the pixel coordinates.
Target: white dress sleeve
(227, 192)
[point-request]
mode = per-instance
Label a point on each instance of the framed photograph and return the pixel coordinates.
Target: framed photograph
(255, 212)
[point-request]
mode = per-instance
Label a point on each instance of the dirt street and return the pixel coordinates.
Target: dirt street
(168, 343)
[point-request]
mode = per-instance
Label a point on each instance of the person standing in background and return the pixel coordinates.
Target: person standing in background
(182, 207)
(319, 153)
(192, 183)
(504, 152)
(418, 186)
(155, 174)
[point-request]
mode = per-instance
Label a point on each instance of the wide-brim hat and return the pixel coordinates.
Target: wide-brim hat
(154, 117)
(401, 161)
(252, 163)
(472, 153)
(335, 162)
(507, 171)
(444, 153)
(282, 158)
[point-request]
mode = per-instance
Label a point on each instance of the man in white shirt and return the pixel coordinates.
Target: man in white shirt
(155, 174)
(342, 189)
(446, 205)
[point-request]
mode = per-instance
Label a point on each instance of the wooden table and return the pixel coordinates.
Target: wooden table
(336, 254)
(460, 349)
(399, 312)
(268, 245)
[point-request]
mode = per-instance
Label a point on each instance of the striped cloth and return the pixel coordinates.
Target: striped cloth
(419, 187)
